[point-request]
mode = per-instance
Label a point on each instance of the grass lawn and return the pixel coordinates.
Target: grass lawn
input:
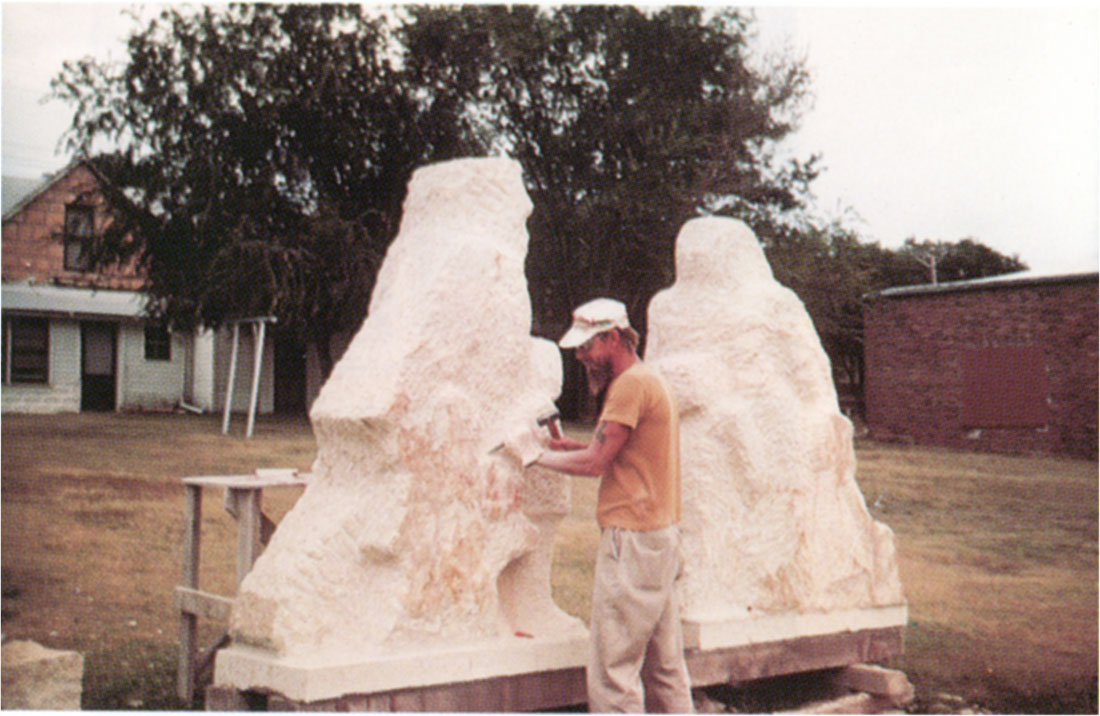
(998, 555)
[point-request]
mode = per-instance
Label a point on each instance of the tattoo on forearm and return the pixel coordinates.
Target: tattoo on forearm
(599, 436)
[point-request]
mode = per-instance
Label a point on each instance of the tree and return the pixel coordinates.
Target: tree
(831, 270)
(959, 261)
(266, 149)
(627, 123)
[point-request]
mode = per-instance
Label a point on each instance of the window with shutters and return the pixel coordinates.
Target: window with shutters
(26, 350)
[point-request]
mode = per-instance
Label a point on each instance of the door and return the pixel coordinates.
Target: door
(97, 365)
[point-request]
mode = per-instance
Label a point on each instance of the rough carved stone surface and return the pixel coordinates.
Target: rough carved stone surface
(414, 530)
(35, 677)
(773, 521)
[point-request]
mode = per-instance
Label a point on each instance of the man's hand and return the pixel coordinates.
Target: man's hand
(566, 443)
(525, 445)
(593, 459)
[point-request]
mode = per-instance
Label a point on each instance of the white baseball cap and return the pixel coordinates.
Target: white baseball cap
(593, 318)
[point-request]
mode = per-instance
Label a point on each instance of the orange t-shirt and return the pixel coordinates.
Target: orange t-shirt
(641, 489)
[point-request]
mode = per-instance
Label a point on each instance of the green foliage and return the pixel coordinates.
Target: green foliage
(959, 261)
(266, 148)
(628, 122)
(830, 271)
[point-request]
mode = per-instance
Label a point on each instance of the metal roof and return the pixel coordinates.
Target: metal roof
(1020, 278)
(44, 298)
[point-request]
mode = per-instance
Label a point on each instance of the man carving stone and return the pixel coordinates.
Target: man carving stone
(636, 660)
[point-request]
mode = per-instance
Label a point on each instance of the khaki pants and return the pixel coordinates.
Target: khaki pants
(636, 661)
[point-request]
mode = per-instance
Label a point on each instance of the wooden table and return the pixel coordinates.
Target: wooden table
(243, 500)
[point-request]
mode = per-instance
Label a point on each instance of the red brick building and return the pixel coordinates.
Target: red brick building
(1005, 364)
(43, 233)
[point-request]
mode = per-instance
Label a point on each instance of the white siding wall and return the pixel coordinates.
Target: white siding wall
(243, 381)
(202, 393)
(62, 393)
(149, 384)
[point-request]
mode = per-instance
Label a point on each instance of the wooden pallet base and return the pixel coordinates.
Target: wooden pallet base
(539, 691)
(751, 662)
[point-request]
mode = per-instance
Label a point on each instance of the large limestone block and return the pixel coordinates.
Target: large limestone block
(414, 531)
(774, 522)
(35, 677)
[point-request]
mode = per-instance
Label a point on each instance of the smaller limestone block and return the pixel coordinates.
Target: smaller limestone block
(35, 677)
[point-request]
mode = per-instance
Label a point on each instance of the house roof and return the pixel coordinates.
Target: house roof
(39, 298)
(24, 191)
(1020, 278)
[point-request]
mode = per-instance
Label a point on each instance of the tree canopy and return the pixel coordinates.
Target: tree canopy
(267, 149)
(628, 122)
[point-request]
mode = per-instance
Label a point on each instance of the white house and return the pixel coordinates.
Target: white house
(79, 340)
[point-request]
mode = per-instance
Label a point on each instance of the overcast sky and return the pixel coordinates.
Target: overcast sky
(931, 123)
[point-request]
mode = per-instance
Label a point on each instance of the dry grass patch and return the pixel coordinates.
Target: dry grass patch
(998, 557)
(92, 523)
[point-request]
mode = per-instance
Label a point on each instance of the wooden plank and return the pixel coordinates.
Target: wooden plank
(205, 663)
(203, 604)
(232, 377)
(507, 694)
(523, 692)
(487, 694)
(225, 698)
(257, 368)
(192, 536)
(276, 479)
(248, 503)
(876, 680)
(531, 692)
(185, 675)
(758, 661)
(540, 691)
(189, 627)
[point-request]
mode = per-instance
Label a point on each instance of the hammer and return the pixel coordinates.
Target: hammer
(550, 420)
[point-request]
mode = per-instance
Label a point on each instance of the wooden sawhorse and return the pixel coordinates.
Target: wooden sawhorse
(243, 500)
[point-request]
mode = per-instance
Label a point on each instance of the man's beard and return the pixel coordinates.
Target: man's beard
(599, 376)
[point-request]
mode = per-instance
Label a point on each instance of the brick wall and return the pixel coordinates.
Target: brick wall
(33, 245)
(917, 345)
